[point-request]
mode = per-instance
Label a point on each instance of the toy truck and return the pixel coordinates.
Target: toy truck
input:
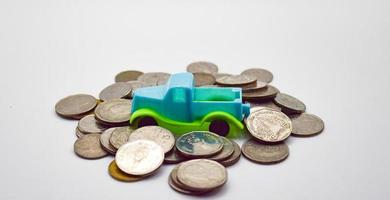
(180, 107)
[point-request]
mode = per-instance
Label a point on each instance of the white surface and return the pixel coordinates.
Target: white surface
(333, 55)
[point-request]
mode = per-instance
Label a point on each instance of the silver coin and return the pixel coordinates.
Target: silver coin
(234, 158)
(202, 78)
(259, 85)
(88, 146)
(227, 150)
(179, 187)
(235, 80)
(260, 74)
(289, 103)
(199, 144)
(116, 91)
(157, 134)
(88, 124)
(219, 75)
(201, 174)
(268, 92)
(202, 66)
(173, 157)
(306, 124)
(139, 157)
(138, 84)
(269, 125)
(120, 136)
(75, 105)
(268, 104)
(115, 111)
(79, 133)
(130, 75)
(105, 141)
(265, 153)
(154, 77)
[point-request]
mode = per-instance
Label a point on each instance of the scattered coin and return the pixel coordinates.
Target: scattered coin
(120, 136)
(234, 158)
(138, 84)
(154, 77)
(269, 125)
(201, 175)
(130, 75)
(235, 80)
(79, 133)
(227, 150)
(139, 157)
(260, 74)
(173, 157)
(202, 66)
(88, 146)
(202, 78)
(75, 105)
(105, 141)
(159, 135)
(219, 75)
(268, 92)
(265, 153)
(119, 175)
(259, 85)
(88, 124)
(176, 185)
(199, 144)
(114, 112)
(116, 91)
(267, 104)
(306, 124)
(289, 103)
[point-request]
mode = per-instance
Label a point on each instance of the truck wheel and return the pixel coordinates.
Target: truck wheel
(219, 127)
(147, 121)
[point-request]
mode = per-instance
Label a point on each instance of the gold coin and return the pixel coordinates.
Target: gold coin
(119, 175)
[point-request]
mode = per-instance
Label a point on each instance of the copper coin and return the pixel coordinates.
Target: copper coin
(105, 141)
(119, 175)
(202, 66)
(75, 105)
(202, 79)
(115, 111)
(116, 91)
(227, 150)
(306, 124)
(120, 136)
(130, 75)
(234, 158)
(260, 74)
(88, 124)
(88, 146)
(265, 153)
(268, 92)
(289, 103)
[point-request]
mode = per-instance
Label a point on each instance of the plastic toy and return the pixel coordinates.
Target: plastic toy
(180, 107)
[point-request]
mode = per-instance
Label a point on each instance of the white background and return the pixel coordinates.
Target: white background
(333, 55)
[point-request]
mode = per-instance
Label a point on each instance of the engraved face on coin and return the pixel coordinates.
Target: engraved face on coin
(114, 111)
(265, 153)
(88, 124)
(139, 157)
(105, 141)
(227, 150)
(291, 104)
(235, 80)
(120, 136)
(88, 146)
(154, 77)
(116, 91)
(157, 134)
(75, 105)
(119, 175)
(202, 66)
(306, 124)
(199, 144)
(268, 92)
(130, 75)
(269, 125)
(260, 74)
(201, 174)
(202, 78)
(234, 158)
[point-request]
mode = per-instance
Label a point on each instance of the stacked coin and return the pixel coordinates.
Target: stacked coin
(201, 156)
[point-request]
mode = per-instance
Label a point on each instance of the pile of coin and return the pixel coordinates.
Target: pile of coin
(103, 129)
